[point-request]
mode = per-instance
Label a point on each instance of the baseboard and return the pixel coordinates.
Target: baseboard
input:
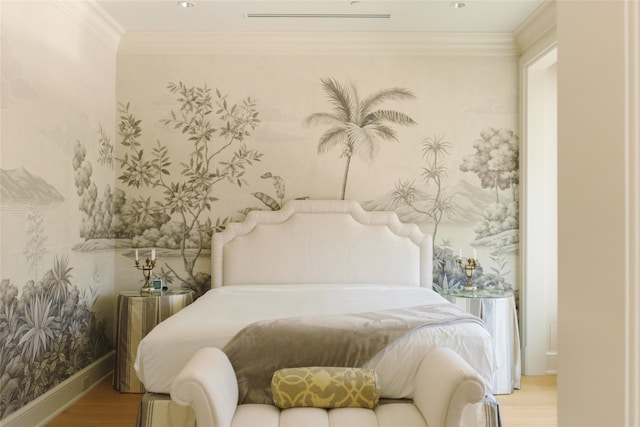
(49, 405)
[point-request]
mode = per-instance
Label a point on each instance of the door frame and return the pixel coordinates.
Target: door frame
(538, 282)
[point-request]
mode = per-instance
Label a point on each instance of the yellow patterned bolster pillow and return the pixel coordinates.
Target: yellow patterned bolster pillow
(325, 387)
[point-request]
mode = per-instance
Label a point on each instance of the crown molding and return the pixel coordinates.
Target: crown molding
(309, 43)
(90, 16)
(540, 25)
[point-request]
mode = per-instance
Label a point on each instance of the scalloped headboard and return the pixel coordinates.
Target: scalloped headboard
(321, 242)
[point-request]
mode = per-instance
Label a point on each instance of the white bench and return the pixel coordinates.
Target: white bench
(445, 384)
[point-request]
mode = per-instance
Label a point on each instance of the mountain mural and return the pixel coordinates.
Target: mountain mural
(21, 186)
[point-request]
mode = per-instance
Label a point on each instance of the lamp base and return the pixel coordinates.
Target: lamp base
(471, 288)
(147, 289)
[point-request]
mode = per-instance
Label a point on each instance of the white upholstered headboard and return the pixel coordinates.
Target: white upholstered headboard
(321, 242)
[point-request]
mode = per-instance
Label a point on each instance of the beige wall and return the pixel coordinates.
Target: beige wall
(56, 301)
(596, 267)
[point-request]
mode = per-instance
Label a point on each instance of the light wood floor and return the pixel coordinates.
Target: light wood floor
(534, 405)
(101, 406)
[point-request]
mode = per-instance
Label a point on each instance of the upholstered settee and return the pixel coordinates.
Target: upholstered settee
(444, 385)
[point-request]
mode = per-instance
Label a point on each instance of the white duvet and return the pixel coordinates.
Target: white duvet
(213, 319)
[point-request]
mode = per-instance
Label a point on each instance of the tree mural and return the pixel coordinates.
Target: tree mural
(434, 203)
(35, 248)
(101, 216)
(441, 204)
(495, 162)
(356, 123)
(216, 130)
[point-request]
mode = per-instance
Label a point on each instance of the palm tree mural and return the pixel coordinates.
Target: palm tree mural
(356, 124)
(436, 207)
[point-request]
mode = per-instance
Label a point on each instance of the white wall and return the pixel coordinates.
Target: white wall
(598, 213)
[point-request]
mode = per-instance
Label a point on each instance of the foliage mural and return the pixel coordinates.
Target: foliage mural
(496, 163)
(356, 126)
(55, 315)
(102, 217)
(48, 333)
(183, 218)
(49, 329)
(436, 207)
(216, 131)
(271, 203)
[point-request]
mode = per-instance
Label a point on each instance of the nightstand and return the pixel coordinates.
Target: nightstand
(498, 311)
(136, 315)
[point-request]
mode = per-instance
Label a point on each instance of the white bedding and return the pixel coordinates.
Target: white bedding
(217, 316)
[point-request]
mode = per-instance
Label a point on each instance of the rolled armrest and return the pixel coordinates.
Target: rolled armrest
(445, 384)
(208, 383)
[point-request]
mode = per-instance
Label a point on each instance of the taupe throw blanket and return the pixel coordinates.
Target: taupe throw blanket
(349, 340)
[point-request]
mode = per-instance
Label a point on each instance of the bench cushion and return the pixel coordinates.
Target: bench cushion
(387, 415)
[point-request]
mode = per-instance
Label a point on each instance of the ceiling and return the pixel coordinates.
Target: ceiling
(477, 16)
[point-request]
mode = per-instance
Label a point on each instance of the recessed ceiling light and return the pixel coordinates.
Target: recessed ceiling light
(458, 4)
(186, 4)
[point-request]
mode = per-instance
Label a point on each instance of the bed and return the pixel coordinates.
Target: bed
(317, 262)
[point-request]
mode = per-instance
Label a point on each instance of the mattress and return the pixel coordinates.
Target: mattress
(213, 319)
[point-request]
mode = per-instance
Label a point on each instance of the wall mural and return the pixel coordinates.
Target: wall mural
(179, 220)
(56, 302)
(495, 161)
(177, 211)
(355, 126)
(48, 328)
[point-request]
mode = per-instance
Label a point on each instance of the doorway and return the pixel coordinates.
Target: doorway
(539, 216)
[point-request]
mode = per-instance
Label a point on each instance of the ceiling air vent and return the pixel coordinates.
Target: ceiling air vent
(321, 15)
